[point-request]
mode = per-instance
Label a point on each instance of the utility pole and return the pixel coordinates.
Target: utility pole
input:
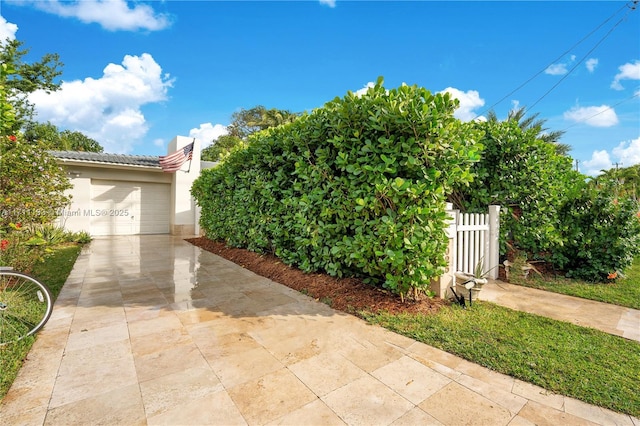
(617, 179)
(577, 162)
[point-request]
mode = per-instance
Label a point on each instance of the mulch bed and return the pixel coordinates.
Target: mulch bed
(349, 295)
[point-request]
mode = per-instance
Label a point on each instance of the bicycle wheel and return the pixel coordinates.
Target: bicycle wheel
(25, 305)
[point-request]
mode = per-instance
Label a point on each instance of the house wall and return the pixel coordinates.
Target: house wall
(77, 216)
(182, 209)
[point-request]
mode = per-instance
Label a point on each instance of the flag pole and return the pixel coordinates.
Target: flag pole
(191, 156)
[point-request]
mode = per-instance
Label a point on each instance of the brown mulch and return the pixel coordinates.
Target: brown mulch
(349, 295)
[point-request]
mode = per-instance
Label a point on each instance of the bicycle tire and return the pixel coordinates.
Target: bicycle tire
(25, 305)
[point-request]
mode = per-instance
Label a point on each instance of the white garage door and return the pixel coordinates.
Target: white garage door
(129, 208)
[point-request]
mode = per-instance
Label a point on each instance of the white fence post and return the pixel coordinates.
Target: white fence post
(494, 241)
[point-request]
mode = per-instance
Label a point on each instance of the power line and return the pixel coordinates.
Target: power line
(631, 5)
(579, 62)
(637, 94)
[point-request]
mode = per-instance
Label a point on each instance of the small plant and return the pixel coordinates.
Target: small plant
(82, 237)
(327, 301)
(479, 275)
(49, 234)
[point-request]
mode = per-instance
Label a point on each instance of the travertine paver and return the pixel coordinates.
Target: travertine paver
(152, 330)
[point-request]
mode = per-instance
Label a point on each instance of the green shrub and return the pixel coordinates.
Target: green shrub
(528, 178)
(19, 248)
(548, 209)
(357, 187)
(601, 234)
(32, 184)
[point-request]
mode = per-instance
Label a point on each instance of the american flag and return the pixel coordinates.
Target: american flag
(173, 162)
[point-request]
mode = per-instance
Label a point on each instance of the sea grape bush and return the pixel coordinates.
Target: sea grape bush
(355, 188)
(527, 178)
(602, 233)
(548, 210)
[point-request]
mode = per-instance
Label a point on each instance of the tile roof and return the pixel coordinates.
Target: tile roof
(99, 157)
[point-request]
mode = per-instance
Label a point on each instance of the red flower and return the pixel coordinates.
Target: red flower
(4, 244)
(18, 225)
(13, 138)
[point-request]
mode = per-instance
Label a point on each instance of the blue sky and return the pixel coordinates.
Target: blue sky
(136, 74)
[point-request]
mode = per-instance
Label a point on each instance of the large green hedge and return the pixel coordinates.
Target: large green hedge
(528, 178)
(548, 210)
(355, 188)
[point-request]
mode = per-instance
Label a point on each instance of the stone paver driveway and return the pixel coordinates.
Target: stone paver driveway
(152, 330)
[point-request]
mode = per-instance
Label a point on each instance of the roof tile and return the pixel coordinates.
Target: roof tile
(99, 157)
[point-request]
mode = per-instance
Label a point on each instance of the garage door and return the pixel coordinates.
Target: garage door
(129, 208)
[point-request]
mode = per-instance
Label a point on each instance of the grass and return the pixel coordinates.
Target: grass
(53, 272)
(624, 291)
(593, 366)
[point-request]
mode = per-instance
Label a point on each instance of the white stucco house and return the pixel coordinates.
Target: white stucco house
(117, 194)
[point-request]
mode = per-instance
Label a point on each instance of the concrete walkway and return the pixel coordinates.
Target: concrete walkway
(609, 318)
(152, 330)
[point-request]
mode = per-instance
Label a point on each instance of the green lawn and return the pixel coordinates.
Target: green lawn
(53, 272)
(583, 363)
(624, 291)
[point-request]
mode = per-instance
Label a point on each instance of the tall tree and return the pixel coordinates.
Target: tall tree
(78, 141)
(244, 123)
(248, 121)
(222, 147)
(26, 78)
(625, 181)
(49, 137)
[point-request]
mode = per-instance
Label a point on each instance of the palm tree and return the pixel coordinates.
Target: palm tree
(274, 117)
(533, 123)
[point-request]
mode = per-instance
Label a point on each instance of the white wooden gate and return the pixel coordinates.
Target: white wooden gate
(474, 242)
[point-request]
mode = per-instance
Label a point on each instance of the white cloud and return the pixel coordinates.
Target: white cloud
(7, 30)
(591, 64)
(556, 69)
(596, 116)
(207, 133)
(628, 152)
(330, 3)
(628, 71)
(107, 109)
(600, 160)
(561, 68)
(112, 15)
(366, 87)
(158, 142)
(469, 101)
